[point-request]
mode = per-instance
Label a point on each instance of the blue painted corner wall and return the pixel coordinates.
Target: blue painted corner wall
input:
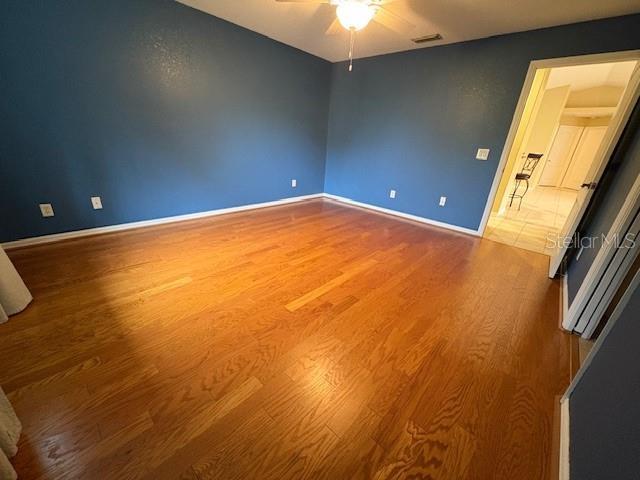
(412, 121)
(164, 110)
(158, 108)
(605, 438)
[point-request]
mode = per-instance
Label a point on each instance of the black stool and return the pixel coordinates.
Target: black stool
(530, 164)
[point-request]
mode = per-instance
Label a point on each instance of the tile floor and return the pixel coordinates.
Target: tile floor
(543, 212)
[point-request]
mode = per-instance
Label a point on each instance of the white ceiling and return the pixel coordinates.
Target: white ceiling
(303, 25)
(588, 76)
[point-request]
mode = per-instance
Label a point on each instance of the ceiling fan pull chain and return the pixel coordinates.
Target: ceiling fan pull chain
(351, 43)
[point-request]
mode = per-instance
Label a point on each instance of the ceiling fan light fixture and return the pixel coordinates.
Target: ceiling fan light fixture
(354, 14)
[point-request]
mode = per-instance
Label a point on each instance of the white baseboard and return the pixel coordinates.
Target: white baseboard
(148, 223)
(56, 237)
(408, 216)
(564, 440)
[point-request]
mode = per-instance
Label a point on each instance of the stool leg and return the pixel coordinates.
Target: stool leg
(514, 193)
(526, 182)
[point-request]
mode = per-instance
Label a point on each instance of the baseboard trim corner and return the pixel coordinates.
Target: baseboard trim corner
(56, 237)
(406, 216)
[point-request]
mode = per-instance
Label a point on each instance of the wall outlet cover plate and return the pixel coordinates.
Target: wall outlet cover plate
(46, 209)
(483, 154)
(96, 202)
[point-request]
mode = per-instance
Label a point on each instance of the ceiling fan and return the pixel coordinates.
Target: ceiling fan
(354, 15)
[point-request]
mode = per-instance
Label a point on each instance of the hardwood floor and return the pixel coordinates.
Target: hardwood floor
(307, 341)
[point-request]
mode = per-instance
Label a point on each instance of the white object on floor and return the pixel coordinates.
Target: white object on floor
(10, 429)
(14, 295)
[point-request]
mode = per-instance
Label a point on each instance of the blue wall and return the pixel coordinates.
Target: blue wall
(412, 121)
(164, 110)
(605, 404)
(616, 183)
(158, 108)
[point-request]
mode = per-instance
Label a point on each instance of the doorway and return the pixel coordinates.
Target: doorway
(569, 118)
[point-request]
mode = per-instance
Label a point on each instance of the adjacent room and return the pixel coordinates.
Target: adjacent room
(556, 152)
(319, 239)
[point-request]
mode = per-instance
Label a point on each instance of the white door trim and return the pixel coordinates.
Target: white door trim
(565, 297)
(618, 123)
(633, 285)
(519, 155)
(504, 156)
(608, 286)
(599, 265)
(600, 162)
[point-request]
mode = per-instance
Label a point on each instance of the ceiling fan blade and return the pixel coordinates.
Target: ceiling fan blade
(335, 28)
(392, 21)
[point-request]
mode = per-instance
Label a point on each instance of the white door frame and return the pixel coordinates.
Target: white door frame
(608, 285)
(617, 125)
(600, 161)
(598, 267)
(622, 304)
(565, 401)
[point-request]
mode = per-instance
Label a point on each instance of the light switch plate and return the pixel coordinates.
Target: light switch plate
(443, 201)
(96, 202)
(46, 209)
(294, 183)
(483, 154)
(392, 194)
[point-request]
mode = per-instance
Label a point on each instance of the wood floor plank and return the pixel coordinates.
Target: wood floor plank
(310, 341)
(328, 286)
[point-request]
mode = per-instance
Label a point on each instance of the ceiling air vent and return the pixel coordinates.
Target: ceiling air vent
(427, 38)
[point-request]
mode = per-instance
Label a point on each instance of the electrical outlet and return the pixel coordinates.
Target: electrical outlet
(483, 154)
(392, 194)
(96, 202)
(294, 183)
(443, 201)
(46, 209)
